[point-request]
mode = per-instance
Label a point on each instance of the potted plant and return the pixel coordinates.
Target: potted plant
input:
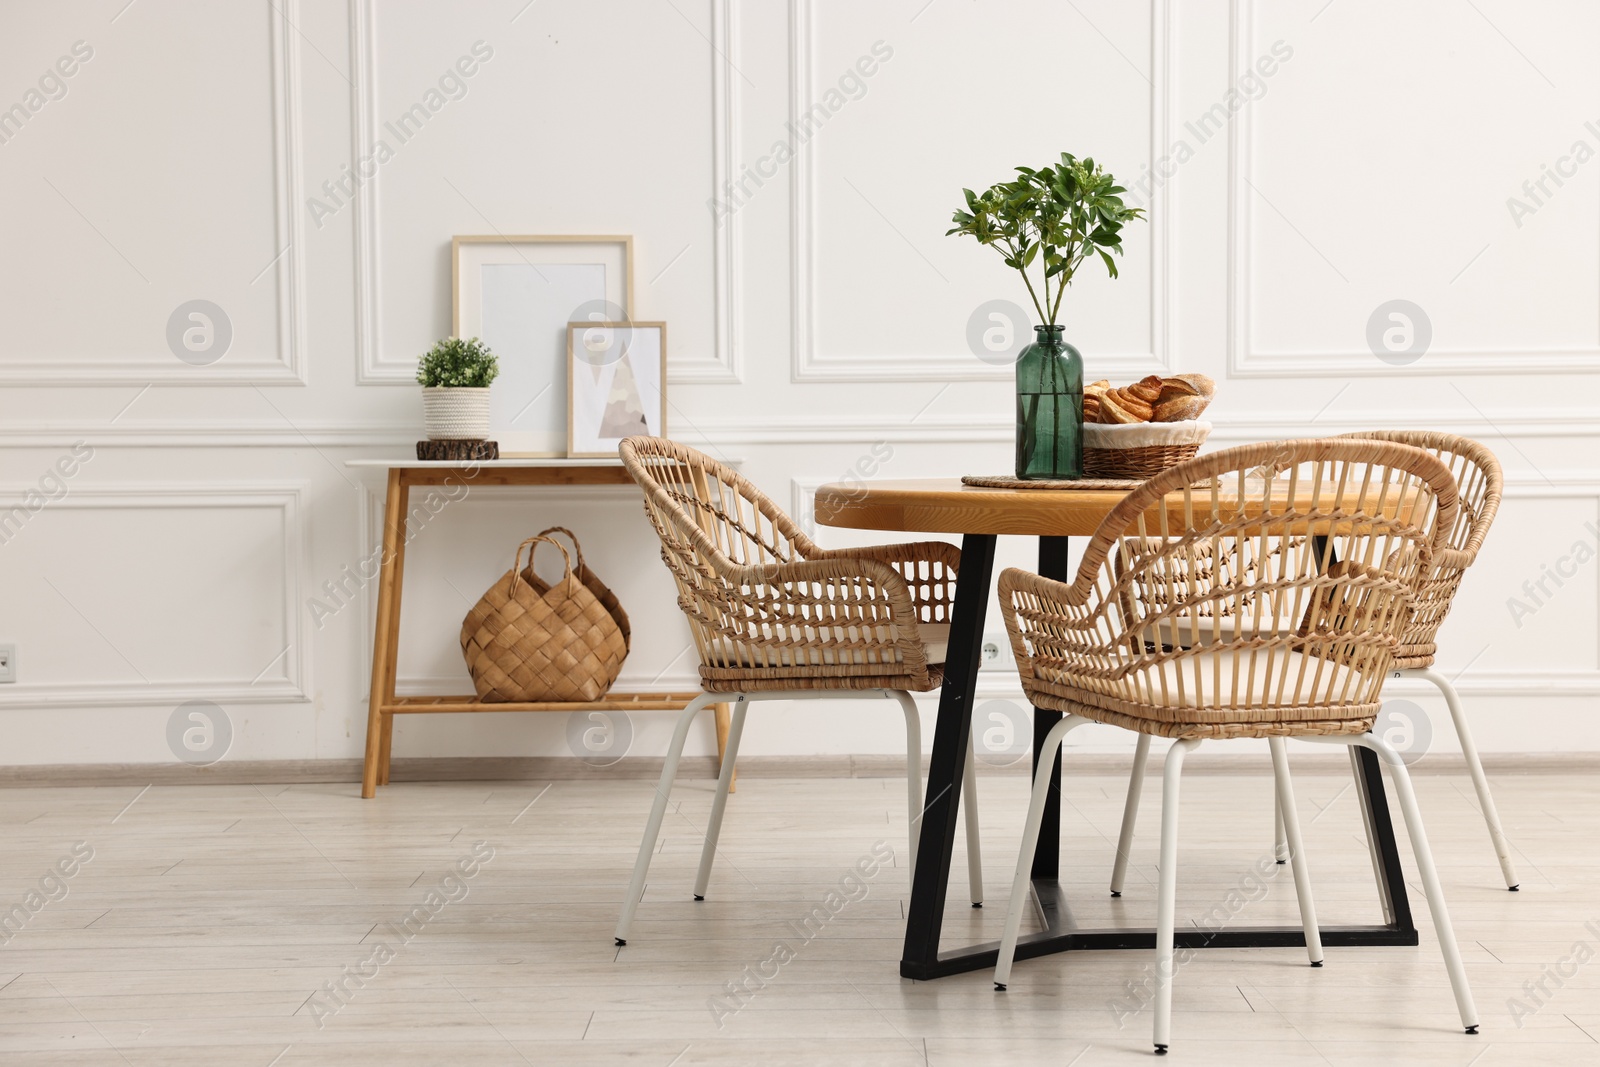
(1049, 222)
(455, 377)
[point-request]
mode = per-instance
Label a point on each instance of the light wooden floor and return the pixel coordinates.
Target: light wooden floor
(210, 916)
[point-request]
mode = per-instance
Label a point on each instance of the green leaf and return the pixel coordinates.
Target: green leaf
(460, 363)
(1059, 213)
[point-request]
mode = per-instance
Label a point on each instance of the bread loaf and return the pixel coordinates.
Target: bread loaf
(1180, 408)
(1150, 399)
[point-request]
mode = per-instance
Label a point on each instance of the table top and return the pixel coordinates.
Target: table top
(944, 505)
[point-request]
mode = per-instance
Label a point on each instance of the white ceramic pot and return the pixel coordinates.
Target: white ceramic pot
(456, 413)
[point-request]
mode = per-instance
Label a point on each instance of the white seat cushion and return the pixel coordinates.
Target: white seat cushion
(1276, 681)
(726, 653)
(1187, 631)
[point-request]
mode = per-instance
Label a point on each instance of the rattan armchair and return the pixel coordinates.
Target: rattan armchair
(775, 617)
(1479, 482)
(1363, 523)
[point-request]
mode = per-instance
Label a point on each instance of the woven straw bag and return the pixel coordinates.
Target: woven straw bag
(591, 582)
(527, 641)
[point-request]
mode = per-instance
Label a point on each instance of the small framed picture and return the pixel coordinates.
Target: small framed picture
(517, 295)
(616, 384)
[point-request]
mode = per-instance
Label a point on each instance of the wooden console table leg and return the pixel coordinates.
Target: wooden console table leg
(386, 634)
(724, 720)
(385, 746)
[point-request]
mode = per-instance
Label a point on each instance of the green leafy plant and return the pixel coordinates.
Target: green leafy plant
(1055, 217)
(459, 364)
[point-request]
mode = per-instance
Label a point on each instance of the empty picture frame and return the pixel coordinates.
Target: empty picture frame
(616, 384)
(517, 293)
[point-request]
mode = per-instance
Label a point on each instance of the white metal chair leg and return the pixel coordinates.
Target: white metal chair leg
(724, 782)
(1167, 893)
(1290, 818)
(1442, 926)
(1469, 749)
(914, 799)
(1280, 843)
(913, 772)
(969, 808)
(658, 811)
(1030, 842)
(1130, 814)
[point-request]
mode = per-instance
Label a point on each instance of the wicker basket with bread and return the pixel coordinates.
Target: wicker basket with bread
(1139, 430)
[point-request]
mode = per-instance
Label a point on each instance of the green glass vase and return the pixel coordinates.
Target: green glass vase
(1049, 408)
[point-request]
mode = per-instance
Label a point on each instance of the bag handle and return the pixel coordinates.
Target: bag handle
(532, 545)
(571, 536)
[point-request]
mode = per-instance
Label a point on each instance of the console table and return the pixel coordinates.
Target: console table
(384, 705)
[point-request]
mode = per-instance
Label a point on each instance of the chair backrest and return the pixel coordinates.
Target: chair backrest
(1339, 543)
(709, 517)
(1479, 484)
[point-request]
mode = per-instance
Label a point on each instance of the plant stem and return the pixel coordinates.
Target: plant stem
(1065, 277)
(1031, 294)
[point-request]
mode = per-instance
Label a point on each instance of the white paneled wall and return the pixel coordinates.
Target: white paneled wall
(787, 171)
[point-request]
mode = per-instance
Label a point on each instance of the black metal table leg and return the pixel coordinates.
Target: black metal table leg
(1047, 856)
(952, 733)
(930, 881)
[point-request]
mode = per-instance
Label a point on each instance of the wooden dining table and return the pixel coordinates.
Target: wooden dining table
(980, 516)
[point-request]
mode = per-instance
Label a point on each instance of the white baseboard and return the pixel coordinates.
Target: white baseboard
(567, 768)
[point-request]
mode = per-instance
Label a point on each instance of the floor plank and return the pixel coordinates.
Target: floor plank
(208, 924)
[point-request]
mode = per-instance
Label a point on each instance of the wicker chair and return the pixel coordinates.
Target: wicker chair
(1365, 521)
(1479, 484)
(774, 617)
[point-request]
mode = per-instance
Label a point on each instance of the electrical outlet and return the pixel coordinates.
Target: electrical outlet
(8, 663)
(995, 646)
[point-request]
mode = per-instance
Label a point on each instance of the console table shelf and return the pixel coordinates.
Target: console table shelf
(384, 704)
(609, 702)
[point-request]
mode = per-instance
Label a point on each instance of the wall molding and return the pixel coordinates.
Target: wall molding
(289, 365)
(995, 427)
(294, 687)
(176, 434)
(1245, 362)
(807, 364)
(998, 427)
(803, 502)
(371, 367)
(723, 366)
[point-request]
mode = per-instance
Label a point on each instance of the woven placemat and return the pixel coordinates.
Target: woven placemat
(1007, 481)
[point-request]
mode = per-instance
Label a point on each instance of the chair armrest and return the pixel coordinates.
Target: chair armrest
(1062, 623)
(841, 604)
(928, 568)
